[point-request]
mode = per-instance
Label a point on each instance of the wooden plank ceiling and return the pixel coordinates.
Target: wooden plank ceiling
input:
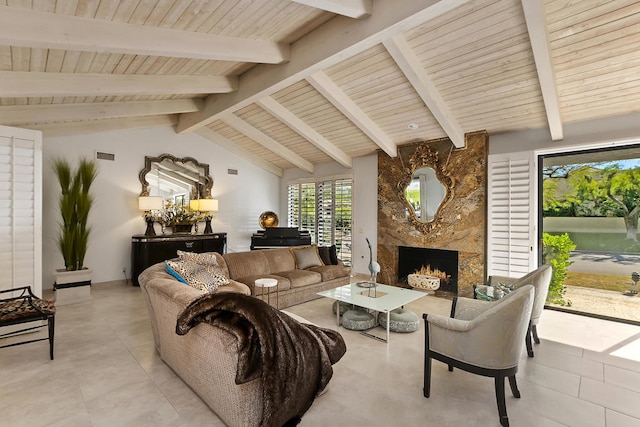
(295, 83)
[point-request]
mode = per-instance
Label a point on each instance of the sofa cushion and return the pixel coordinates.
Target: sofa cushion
(283, 283)
(306, 257)
(280, 259)
(330, 272)
(206, 278)
(245, 264)
(300, 278)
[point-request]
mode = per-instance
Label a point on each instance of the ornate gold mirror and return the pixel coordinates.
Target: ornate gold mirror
(181, 179)
(426, 188)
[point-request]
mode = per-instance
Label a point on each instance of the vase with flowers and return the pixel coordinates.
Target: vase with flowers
(179, 217)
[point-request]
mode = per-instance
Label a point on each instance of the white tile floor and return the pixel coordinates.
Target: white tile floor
(585, 373)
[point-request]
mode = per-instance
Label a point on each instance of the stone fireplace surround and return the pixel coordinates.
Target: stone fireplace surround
(462, 226)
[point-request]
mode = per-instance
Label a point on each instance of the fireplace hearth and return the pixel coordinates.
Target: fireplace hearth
(412, 260)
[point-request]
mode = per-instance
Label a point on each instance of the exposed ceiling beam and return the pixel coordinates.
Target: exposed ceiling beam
(266, 141)
(534, 15)
(408, 62)
(351, 8)
(328, 45)
(17, 114)
(30, 28)
(52, 130)
(323, 84)
(228, 145)
(306, 131)
(26, 84)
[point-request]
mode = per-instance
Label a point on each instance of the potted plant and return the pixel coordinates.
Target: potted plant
(75, 203)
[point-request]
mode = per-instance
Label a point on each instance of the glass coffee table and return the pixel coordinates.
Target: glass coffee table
(380, 298)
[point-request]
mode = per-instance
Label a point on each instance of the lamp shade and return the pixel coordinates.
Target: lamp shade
(208, 205)
(194, 204)
(148, 203)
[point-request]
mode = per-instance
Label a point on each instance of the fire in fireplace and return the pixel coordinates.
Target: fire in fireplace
(435, 263)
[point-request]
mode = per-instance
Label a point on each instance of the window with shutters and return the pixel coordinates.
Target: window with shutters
(324, 209)
(20, 208)
(511, 215)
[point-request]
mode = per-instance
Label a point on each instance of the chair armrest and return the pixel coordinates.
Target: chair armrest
(467, 308)
(448, 323)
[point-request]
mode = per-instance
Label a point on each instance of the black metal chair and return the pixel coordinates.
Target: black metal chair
(26, 308)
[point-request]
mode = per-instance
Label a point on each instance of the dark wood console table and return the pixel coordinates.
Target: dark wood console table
(149, 250)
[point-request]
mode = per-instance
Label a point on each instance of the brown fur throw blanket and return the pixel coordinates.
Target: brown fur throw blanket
(292, 359)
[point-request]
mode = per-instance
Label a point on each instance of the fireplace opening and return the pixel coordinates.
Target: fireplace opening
(434, 269)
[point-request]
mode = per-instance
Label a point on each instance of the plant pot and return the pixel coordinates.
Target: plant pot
(181, 228)
(72, 287)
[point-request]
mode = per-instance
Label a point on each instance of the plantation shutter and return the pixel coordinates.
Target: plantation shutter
(308, 208)
(511, 215)
(293, 205)
(325, 202)
(21, 208)
(343, 216)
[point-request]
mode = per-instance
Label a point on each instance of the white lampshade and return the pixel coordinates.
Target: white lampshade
(194, 204)
(208, 205)
(148, 203)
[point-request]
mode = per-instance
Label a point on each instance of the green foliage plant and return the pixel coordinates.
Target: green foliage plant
(557, 250)
(75, 204)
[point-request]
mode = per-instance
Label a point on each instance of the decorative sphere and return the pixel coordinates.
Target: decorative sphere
(268, 219)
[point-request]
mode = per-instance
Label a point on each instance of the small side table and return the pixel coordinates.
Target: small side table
(268, 283)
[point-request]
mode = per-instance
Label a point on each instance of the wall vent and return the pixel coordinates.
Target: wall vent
(105, 156)
(232, 171)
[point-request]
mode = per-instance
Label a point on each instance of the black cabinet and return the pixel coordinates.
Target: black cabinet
(149, 250)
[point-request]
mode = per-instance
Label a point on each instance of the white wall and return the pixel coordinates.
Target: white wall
(365, 202)
(115, 217)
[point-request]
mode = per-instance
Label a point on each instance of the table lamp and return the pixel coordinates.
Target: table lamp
(208, 205)
(147, 204)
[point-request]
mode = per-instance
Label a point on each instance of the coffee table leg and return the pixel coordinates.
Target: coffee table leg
(388, 322)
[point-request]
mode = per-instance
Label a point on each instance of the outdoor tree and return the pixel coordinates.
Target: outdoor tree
(613, 191)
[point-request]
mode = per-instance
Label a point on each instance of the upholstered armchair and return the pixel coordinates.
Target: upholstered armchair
(486, 339)
(540, 279)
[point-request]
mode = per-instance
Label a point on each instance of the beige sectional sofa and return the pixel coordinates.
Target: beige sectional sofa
(207, 357)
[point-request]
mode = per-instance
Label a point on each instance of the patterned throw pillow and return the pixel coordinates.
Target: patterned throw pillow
(307, 257)
(206, 278)
(198, 258)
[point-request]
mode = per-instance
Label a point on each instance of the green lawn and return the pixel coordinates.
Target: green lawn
(599, 281)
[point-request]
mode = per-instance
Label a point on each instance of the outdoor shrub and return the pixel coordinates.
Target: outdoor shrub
(557, 249)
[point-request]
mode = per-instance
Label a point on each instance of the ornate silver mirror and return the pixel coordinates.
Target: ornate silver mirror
(180, 179)
(425, 189)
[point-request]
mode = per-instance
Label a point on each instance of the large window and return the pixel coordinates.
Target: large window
(324, 209)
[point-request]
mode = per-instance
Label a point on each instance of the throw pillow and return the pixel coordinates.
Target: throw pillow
(306, 257)
(174, 273)
(323, 251)
(328, 254)
(206, 278)
(198, 258)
